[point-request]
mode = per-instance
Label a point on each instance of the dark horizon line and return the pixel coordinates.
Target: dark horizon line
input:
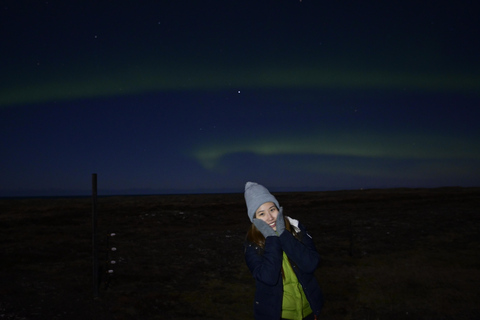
(138, 192)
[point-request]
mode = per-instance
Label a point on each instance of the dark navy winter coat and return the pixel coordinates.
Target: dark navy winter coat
(265, 266)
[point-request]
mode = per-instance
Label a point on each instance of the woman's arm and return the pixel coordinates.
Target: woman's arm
(265, 267)
(303, 253)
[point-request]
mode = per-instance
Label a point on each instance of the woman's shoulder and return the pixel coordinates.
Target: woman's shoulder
(294, 223)
(298, 226)
(251, 247)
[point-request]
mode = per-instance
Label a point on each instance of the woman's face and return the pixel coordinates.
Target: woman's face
(268, 212)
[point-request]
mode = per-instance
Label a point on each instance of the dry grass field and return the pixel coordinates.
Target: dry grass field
(387, 254)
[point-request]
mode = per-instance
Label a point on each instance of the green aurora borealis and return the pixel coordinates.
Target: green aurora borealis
(199, 97)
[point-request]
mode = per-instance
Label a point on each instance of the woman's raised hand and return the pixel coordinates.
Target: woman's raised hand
(280, 222)
(264, 228)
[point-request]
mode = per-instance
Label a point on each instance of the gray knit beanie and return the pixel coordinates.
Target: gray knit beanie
(255, 196)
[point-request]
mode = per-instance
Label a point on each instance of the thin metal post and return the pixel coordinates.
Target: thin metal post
(94, 236)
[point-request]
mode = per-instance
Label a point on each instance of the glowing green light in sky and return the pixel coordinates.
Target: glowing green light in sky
(360, 145)
(140, 78)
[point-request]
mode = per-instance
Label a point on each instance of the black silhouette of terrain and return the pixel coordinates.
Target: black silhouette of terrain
(387, 254)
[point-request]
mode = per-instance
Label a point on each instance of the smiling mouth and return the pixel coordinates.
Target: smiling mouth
(273, 224)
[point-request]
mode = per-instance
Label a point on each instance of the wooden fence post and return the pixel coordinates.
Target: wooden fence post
(94, 236)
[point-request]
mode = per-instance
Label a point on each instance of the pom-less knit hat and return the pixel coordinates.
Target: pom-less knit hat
(255, 196)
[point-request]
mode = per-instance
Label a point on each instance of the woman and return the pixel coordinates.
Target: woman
(282, 258)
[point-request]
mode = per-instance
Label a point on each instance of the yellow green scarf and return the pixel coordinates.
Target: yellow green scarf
(295, 305)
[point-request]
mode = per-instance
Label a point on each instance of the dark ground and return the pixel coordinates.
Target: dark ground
(387, 254)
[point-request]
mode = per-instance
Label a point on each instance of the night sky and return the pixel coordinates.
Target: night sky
(201, 96)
